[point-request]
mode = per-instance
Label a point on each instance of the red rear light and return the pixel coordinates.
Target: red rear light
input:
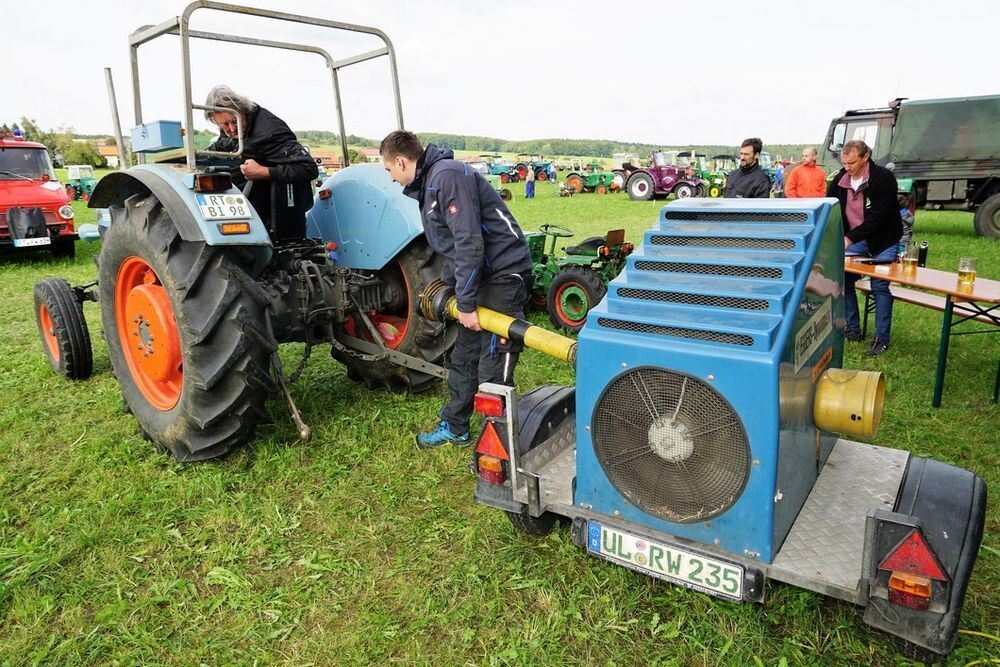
(490, 469)
(488, 405)
(912, 565)
(212, 182)
(490, 444)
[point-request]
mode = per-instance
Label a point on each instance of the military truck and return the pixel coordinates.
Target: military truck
(945, 152)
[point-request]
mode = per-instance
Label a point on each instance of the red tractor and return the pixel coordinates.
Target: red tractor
(34, 209)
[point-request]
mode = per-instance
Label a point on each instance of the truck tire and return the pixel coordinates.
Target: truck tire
(573, 292)
(186, 333)
(987, 220)
(404, 328)
(63, 329)
(531, 525)
(640, 186)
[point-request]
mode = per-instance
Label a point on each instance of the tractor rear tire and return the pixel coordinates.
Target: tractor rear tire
(573, 292)
(63, 329)
(505, 178)
(574, 182)
(532, 525)
(418, 266)
(987, 220)
(186, 332)
(640, 186)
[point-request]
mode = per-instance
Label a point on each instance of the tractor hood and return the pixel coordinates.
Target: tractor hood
(28, 194)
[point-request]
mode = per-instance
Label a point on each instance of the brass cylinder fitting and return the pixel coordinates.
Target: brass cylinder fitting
(849, 401)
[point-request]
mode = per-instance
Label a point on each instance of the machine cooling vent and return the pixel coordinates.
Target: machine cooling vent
(710, 269)
(677, 332)
(723, 242)
(733, 216)
(742, 303)
(671, 445)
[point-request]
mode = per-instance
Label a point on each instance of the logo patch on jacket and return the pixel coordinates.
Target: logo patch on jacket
(453, 209)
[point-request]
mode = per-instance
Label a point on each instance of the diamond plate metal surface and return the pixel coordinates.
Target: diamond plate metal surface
(554, 461)
(824, 548)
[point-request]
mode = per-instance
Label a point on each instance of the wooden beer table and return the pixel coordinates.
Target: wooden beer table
(978, 302)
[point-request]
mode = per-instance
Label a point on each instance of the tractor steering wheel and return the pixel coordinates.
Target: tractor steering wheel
(556, 230)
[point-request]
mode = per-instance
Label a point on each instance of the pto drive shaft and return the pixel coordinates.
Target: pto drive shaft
(439, 303)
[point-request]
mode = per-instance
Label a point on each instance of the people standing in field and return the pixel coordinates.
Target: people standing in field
(808, 179)
(529, 183)
(749, 181)
(487, 263)
(872, 227)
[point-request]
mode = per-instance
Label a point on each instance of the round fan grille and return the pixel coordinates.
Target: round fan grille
(671, 444)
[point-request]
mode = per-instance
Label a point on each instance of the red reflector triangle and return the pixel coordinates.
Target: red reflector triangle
(489, 443)
(913, 556)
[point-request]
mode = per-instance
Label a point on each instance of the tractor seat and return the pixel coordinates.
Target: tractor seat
(588, 246)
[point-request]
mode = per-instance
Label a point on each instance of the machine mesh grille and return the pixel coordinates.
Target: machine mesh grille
(713, 269)
(723, 242)
(677, 332)
(693, 299)
(734, 216)
(671, 445)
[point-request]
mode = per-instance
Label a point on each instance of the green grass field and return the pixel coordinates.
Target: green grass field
(359, 549)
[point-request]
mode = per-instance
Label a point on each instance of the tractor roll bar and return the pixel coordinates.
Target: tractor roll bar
(180, 26)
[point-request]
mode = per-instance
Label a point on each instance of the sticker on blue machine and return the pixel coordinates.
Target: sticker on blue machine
(594, 536)
(813, 333)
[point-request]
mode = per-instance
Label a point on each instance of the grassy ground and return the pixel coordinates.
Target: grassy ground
(358, 548)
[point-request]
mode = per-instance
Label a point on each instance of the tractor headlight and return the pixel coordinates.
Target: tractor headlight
(66, 211)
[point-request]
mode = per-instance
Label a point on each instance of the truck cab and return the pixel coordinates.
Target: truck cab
(34, 209)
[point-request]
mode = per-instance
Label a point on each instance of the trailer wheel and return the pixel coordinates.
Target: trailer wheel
(987, 220)
(573, 292)
(63, 329)
(402, 327)
(640, 186)
(186, 334)
(532, 525)
(915, 652)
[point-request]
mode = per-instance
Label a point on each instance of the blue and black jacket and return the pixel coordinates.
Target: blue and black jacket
(467, 223)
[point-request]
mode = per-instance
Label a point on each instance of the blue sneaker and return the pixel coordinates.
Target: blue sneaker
(442, 435)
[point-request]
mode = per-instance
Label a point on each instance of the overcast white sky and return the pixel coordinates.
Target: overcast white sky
(643, 70)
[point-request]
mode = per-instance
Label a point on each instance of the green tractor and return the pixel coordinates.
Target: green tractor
(499, 166)
(80, 181)
(568, 287)
(495, 180)
(720, 166)
(592, 179)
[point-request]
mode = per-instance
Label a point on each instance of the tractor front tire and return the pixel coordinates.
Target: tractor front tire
(416, 267)
(505, 178)
(186, 332)
(640, 186)
(573, 292)
(683, 191)
(715, 191)
(532, 525)
(63, 329)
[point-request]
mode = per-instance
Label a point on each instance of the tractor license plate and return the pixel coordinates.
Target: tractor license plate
(224, 207)
(31, 243)
(666, 561)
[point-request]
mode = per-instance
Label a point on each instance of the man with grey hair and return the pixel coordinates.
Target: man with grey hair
(278, 168)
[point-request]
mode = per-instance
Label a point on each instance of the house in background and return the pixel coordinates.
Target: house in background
(110, 155)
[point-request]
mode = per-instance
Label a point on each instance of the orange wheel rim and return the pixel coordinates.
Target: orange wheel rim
(148, 333)
(48, 331)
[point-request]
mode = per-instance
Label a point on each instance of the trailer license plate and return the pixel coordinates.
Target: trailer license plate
(224, 207)
(666, 561)
(30, 243)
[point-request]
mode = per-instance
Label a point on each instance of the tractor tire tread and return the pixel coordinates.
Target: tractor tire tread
(76, 358)
(531, 525)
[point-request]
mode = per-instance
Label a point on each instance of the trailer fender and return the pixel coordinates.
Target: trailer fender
(172, 188)
(946, 507)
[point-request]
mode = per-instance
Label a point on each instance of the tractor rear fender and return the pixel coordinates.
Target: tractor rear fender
(366, 214)
(173, 188)
(946, 506)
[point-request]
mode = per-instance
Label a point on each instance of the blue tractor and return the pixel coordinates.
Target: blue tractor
(196, 293)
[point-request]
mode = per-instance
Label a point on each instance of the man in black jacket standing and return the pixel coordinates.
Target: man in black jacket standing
(749, 181)
(279, 167)
(486, 261)
(872, 227)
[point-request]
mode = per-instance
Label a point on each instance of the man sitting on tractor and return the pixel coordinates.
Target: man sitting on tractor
(486, 261)
(279, 168)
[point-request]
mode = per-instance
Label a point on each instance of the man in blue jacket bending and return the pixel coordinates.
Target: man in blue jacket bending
(486, 262)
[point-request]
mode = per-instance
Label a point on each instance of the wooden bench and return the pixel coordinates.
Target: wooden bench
(917, 298)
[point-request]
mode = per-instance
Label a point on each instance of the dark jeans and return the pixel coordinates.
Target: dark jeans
(529, 190)
(880, 292)
(480, 356)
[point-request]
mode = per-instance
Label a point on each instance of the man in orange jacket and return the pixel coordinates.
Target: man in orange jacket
(808, 179)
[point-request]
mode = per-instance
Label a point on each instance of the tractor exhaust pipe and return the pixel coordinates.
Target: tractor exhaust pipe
(439, 303)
